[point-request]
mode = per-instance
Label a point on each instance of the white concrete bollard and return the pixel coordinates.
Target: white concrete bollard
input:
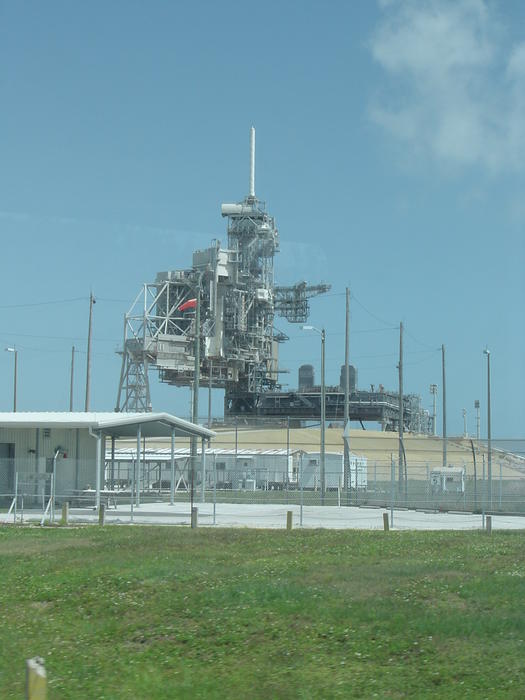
(36, 679)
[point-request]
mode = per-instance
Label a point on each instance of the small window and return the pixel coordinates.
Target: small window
(220, 466)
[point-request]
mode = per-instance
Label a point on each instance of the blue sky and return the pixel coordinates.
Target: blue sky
(390, 149)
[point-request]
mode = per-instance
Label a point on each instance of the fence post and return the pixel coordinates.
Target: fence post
(500, 483)
(392, 488)
(483, 506)
(386, 526)
(488, 520)
(214, 488)
(16, 496)
(52, 496)
(65, 513)
(194, 517)
(36, 680)
(289, 516)
(102, 514)
(301, 488)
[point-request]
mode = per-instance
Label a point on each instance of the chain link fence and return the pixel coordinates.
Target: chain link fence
(256, 477)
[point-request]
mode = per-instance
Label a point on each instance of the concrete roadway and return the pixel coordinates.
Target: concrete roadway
(274, 516)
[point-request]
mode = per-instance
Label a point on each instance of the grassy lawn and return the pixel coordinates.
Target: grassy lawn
(150, 612)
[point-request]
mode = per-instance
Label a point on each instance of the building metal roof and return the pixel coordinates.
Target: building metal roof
(128, 453)
(119, 425)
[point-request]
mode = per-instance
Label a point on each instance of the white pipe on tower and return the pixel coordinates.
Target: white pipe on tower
(252, 162)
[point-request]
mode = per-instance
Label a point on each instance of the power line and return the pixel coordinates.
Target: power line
(59, 337)
(42, 303)
(377, 318)
(330, 334)
(420, 342)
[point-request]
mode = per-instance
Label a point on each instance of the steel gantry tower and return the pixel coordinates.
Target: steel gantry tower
(231, 290)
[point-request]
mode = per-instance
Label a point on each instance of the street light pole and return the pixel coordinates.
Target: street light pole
(489, 433)
(15, 351)
(196, 379)
(323, 410)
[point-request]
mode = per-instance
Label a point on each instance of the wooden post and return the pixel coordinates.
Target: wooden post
(102, 514)
(289, 516)
(36, 680)
(65, 513)
(488, 521)
(386, 526)
(194, 517)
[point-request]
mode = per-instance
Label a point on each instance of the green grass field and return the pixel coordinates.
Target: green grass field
(150, 612)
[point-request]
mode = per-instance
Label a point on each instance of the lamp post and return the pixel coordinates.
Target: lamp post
(15, 351)
(489, 433)
(323, 409)
(196, 380)
(476, 406)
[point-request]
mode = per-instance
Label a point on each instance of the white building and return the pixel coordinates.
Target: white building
(273, 469)
(71, 446)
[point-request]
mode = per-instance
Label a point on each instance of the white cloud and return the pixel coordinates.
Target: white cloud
(454, 89)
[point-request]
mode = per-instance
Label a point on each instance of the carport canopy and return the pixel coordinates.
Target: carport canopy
(114, 425)
(154, 425)
(117, 425)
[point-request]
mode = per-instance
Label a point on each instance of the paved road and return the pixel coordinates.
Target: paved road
(274, 516)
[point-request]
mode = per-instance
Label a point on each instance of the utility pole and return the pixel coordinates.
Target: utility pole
(489, 434)
(444, 406)
(401, 415)
(323, 417)
(346, 434)
(476, 406)
(209, 392)
(322, 333)
(88, 363)
(15, 375)
(72, 378)
(464, 412)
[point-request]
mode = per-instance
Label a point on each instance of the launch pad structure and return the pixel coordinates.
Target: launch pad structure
(232, 291)
(214, 323)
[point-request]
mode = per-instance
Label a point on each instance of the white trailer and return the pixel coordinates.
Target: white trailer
(334, 471)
